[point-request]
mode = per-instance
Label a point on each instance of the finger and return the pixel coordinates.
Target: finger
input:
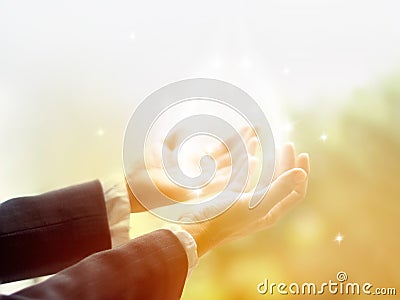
(236, 156)
(252, 146)
(239, 152)
(297, 194)
(280, 189)
(303, 161)
(251, 182)
(244, 135)
(302, 188)
(248, 132)
(224, 160)
(216, 185)
(154, 156)
(171, 141)
(287, 159)
(221, 149)
(281, 208)
(169, 160)
(275, 213)
(241, 180)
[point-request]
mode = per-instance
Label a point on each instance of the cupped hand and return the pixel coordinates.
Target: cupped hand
(288, 187)
(155, 165)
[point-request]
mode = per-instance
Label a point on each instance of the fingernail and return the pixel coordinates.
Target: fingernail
(300, 177)
(289, 144)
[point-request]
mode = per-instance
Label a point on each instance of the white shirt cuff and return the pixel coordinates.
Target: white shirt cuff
(188, 243)
(118, 210)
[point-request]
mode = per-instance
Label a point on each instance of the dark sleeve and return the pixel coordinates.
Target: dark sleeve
(44, 234)
(153, 266)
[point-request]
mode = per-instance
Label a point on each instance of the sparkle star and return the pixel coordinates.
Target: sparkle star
(288, 127)
(339, 238)
(323, 137)
(198, 192)
(100, 132)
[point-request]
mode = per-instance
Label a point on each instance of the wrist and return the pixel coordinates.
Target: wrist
(201, 233)
(118, 210)
(136, 206)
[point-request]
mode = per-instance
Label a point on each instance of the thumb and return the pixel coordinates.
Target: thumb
(279, 189)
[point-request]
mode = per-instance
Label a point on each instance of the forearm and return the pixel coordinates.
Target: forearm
(201, 237)
(43, 234)
(153, 266)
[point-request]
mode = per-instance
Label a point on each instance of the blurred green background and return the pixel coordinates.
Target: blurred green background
(324, 72)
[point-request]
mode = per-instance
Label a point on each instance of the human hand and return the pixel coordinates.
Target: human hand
(288, 187)
(155, 165)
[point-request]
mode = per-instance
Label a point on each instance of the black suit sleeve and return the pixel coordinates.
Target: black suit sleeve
(153, 266)
(44, 234)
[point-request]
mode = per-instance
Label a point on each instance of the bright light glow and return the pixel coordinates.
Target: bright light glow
(210, 149)
(132, 36)
(100, 132)
(339, 238)
(288, 127)
(198, 192)
(323, 137)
